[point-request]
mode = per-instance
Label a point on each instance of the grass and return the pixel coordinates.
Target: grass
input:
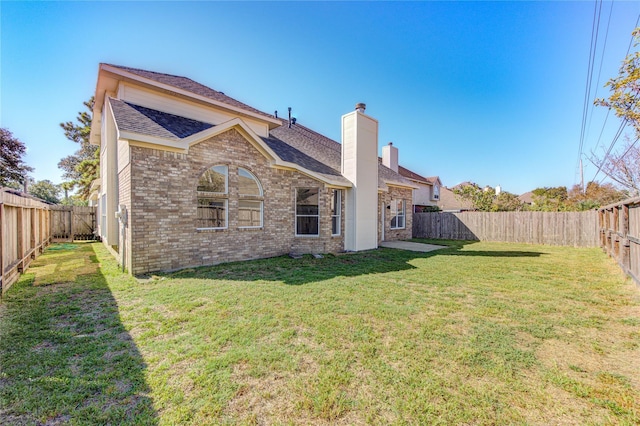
(477, 333)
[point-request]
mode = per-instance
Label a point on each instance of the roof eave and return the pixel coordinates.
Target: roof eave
(273, 122)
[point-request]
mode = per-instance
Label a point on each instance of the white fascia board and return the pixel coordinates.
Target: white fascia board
(192, 95)
(154, 140)
(242, 127)
(401, 184)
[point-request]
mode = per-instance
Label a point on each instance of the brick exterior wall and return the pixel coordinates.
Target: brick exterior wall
(124, 198)
(384, 199)
(163, 233)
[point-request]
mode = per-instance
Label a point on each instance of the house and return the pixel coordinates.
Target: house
(190, 176)
(427, 193)
(449, 202)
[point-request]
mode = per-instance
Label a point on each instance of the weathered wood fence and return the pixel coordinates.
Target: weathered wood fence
(620, 234)
(579, 229)
(24, 233)
(27, 226)
(70, 223)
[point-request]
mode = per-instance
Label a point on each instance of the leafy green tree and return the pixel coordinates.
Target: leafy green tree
(549, 199)
(81, 168)
(13, 169)
(45, 190)
(623, 165)
(486, 199)
(506, 202)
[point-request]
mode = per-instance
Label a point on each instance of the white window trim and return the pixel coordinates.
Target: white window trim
(226, 215)
(261, 214)
(395, 214)
(338, 215)
(296, 215)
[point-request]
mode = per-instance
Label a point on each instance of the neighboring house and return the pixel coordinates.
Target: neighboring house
(190, 176)
(450, 203)
(427, 193)
(527, 198)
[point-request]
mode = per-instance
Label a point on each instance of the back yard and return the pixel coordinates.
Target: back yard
(479, 333)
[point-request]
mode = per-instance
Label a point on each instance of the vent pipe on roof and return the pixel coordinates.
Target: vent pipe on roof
(361, 107)
(276, 113)
(289, 117)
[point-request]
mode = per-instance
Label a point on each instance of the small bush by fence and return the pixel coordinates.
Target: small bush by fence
(620, 234)
(579, 229)
(27, 226)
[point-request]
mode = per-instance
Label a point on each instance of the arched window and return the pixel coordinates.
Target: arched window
(250, 204)
(213, 196)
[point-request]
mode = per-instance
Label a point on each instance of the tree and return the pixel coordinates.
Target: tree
(81, 168)
(623, 166)
(506, 202)
(13, 170)
(480, 199)
(594, 196)
(46, 190)
(549, 199)
(486, 199)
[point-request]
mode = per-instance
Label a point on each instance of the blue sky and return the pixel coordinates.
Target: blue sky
(491, 92)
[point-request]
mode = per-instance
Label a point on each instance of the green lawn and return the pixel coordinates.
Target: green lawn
(478, 333)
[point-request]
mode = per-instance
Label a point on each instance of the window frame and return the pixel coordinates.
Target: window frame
(254, 198)
(336, 212)
(395, 214)
(214, 196)
(296, 215)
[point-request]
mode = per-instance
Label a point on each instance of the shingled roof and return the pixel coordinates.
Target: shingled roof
(147, 121)
(296, 144)
(189, 85)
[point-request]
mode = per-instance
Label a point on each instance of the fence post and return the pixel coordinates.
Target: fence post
(625, 244)
(1, 249)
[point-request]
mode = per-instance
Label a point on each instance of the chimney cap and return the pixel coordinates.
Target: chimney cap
(360, 107)
(390, 143)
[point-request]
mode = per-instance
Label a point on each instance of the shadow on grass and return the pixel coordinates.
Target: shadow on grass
(65, 357)
(308, 269)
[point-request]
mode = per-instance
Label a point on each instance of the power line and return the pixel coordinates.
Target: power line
(622, 125)
(587, 91)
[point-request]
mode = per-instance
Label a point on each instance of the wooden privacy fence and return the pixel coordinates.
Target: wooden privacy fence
(27, 226)
(620, 234)
(579, 229)
(24, 233)
(70, 223)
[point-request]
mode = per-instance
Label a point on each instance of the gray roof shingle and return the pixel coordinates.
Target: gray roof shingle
(147, 121)
(189, 85)
(296, 144)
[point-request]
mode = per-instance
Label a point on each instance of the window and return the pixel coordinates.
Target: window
(248, 183)
(249, 208)
(436, 192)
(336, 207)
(212, 198)
(307, 212)
(397, 214)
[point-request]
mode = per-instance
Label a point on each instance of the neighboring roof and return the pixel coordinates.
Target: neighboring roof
(297, 144)
(449, 202)
(404, 172)
(527, 197)
(189, 85)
